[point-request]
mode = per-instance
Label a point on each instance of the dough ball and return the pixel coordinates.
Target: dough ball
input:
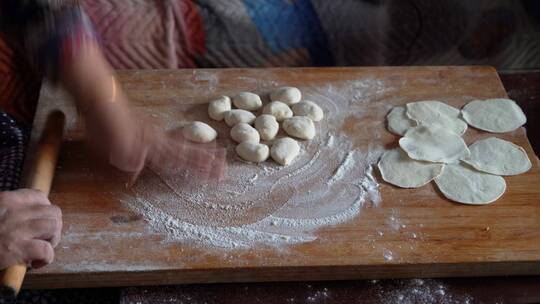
(253, 151)
(463, 184)
(247, 101)
(497, 156)
(397, 168)
(217, 108)
(284, 150)
(199, 132)
(435, 113)
(288, 95)
(309, 109)
(398, 121)
(279, 110)
(497, 115)
(244, 132)
(267, 126)
(434, 144)
(237, 116)
(299, 126)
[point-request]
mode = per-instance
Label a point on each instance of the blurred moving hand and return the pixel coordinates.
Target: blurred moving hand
(113, 129)
(169, 151)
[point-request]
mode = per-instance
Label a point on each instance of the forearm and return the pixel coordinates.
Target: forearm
(90, 80)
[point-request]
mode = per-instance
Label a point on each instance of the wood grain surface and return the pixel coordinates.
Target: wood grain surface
(107, 244)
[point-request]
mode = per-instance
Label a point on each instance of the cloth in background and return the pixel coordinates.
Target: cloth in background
(40, 36)
(152, 34)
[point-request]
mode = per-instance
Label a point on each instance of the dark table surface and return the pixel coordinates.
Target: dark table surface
(522, 86)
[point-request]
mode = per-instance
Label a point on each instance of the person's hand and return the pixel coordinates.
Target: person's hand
(173, 151)
(170, 151)
(30, 228)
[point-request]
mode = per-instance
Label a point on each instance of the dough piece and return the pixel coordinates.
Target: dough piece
(244, 132)
(284, 150)
(497, 156)
(398, 121)
(267, 126)
(199, 132)
(252, 151)
(237, 116)
(436, 113)
(217, 108)
(288, 95)
(433, 144)
(309, 109)
(247, 101)
(279, 110)
(497, 115)
(299, 126)
(397, 168)
(463, 184)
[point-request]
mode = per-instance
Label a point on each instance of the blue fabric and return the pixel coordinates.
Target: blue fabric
(288, 25)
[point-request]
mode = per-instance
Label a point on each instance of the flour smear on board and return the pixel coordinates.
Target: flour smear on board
(329, 183)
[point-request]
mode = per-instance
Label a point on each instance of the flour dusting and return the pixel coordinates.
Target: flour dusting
(267, 204)
(417, 291)
(345, 166)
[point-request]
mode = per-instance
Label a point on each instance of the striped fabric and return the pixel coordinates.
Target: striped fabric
(148, 34)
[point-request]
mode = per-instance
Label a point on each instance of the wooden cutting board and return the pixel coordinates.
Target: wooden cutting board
(409, 233)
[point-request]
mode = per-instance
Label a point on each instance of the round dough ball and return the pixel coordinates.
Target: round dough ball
(309, 109)
(499, 157)
(217, 108)
(279, 110)
(397, 168)
(244, 132)
(253, 151)
(463, 184)
(299, 126)
(497, 115)
(435, 113)
(434, 144)
(234, 117)
(199, 132)
(247, 101)
(288, 95)
(398, 121)
(284, 150)
(267, 126)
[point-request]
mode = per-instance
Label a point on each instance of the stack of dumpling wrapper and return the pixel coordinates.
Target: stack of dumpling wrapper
(432, 149)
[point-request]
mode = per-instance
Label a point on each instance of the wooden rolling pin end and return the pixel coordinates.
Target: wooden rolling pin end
(39, 176)
(12, 281)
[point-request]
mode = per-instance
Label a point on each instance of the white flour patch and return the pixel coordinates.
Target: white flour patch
(209, 78)
(370, 185)
(347, 164)
(394, 222)
(267, 204)
(388, 255)
(100, 235)
(225, 237)
(107, 266)
(418, 291)
(331, 140)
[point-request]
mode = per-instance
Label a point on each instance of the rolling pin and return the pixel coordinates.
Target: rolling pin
(38, 176)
